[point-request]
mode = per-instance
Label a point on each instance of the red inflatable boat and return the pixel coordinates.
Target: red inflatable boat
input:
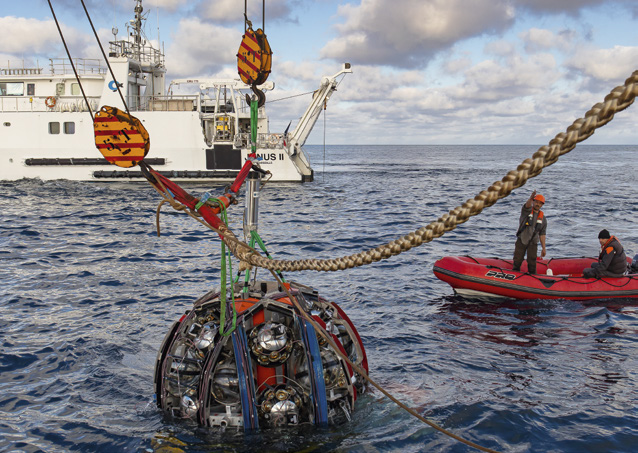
(560, 278)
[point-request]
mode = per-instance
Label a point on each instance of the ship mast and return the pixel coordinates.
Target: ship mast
(137, 30)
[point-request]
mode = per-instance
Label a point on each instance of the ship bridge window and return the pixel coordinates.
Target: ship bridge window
(75, 89)
(69, 128)
(54, 127)
(11, 88)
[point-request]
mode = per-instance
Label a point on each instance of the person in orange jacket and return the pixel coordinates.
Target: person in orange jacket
(532, 229)
(612, 261)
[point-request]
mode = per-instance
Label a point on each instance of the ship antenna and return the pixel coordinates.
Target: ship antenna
(137, 28)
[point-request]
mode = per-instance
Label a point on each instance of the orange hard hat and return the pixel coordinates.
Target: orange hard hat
(540, 198)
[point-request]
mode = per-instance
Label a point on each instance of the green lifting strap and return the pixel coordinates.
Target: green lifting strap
(254, 237)
(254, 108)
(226, 255)
(251, 243)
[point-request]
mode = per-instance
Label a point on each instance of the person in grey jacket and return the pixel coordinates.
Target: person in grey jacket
(612, 261)
(532, 229)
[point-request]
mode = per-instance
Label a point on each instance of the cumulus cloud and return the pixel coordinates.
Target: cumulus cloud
(538, 40)
(169, 5)
(490, 80)
(380, 32)
(199, 48)
(39, 38)
(558, 6)
(457, 64)
(501, 48)
(616, 63)
(225, 11)
(21, 35)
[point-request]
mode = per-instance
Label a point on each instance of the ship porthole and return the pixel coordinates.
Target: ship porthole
(7, 124)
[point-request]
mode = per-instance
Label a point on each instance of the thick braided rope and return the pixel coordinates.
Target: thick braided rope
(600, 114)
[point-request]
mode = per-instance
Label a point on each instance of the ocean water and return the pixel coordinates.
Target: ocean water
(89, 291)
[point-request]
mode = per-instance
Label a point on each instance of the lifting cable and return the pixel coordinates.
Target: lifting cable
(117, 85)
(68, 53)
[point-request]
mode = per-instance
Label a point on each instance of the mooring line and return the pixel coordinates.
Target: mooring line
(600, 114)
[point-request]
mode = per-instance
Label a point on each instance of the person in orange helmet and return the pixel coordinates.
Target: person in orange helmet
(532, 229)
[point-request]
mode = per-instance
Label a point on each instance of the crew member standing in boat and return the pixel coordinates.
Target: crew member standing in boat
(612, 261)
(531, 230)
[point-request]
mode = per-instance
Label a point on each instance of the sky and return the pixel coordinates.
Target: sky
(424, 71)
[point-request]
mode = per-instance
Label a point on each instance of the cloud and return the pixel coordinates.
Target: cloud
(616, 63)
(380, 32)
(491, 80)
(200, 48)
(456, 65)
(504, 99)
(539, 40)
(225, 11)
(169, 5)
(572, 7)
(21, 35)
(500, 48)
(34, 39)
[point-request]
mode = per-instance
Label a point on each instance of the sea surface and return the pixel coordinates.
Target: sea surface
(89, 291)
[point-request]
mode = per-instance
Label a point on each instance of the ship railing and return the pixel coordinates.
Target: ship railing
(20, 71)
(82, 66)
(173, 103)
(264, 141)
(38, 104)
(139, 52)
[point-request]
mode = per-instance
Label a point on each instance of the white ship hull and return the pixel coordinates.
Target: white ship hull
(178, 148)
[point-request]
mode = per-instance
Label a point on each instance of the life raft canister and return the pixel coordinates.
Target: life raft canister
(120, 137)
(254, 58)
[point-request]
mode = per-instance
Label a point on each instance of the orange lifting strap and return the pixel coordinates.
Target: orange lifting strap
(254, 58)
(121, 138)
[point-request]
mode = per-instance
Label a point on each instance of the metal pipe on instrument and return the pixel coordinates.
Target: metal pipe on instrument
(251, 215)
